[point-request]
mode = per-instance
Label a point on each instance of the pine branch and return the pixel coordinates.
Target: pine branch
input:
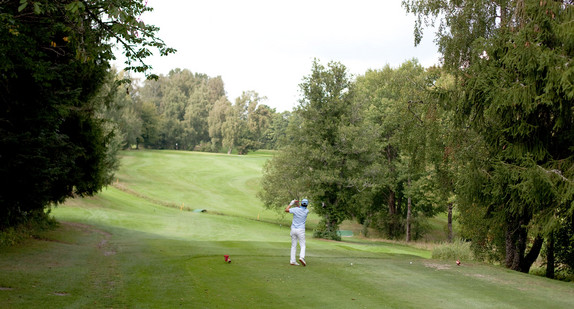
(556, 172)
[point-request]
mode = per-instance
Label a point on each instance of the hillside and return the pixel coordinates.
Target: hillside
(138, 248)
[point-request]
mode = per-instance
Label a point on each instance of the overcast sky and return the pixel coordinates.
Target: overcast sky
(268, 46)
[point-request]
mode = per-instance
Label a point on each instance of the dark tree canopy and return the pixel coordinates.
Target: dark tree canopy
(54, 58)
(512, 62)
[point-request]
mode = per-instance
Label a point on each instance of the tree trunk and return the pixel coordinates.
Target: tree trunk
(391, 202)
(393, 224)
(331, 221)
(550, 257)
(509, 242)
(409, 211)
(391, 156)
(450, 222)
(520, 247)
(532, 255)
(366, 225)
(516, 242)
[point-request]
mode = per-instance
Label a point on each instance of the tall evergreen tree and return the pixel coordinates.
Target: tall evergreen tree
(512, 60)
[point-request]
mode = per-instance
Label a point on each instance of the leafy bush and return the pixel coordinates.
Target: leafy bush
(205, 147)
(390, 226)
(394, 226)
(34, 224)
(322, 231)
(560, 274)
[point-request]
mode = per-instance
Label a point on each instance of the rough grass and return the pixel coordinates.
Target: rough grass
(457, 250)
(123, 250)
(33, 227)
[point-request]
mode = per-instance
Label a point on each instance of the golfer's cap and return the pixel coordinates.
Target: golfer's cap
(304, 202)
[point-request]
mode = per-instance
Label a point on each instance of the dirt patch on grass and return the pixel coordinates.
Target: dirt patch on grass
(86, 227)
(496, 280)
(437, 266)
(103, 245)
(5, 288)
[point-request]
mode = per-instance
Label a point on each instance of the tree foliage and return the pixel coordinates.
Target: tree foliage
(404, 122)
(54, 59)
(320, 160)
(364, 150)
(192, 112)
(512, 60)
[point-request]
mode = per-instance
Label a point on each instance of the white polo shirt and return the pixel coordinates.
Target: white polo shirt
(299, 217)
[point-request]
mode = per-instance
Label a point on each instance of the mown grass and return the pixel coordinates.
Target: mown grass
(124, 250)
(216, 182)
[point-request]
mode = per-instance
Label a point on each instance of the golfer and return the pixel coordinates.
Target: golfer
(298, 229)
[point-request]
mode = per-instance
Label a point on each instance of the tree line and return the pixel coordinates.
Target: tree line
(487, 135)
(376, 148)
(190, 111)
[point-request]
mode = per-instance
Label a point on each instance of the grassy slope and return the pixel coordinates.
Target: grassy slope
(216, 182)
(125, 251)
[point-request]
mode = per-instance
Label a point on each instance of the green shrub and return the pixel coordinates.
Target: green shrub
(457, 250)
(390, 226)
(560, 274)
(32, 226)
(9, 237)
(205, 147)
(323, 232)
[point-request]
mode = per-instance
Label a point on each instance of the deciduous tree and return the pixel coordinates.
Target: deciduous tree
(320, 161)
(402, 118)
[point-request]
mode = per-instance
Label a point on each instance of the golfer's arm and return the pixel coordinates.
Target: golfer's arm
(287, 208)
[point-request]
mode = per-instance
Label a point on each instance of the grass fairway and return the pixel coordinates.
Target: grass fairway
(216, 182)
(133, 247)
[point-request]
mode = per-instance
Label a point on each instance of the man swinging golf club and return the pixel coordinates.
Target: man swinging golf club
(298, 229)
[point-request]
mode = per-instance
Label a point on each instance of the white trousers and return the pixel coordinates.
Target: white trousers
(297, 235)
